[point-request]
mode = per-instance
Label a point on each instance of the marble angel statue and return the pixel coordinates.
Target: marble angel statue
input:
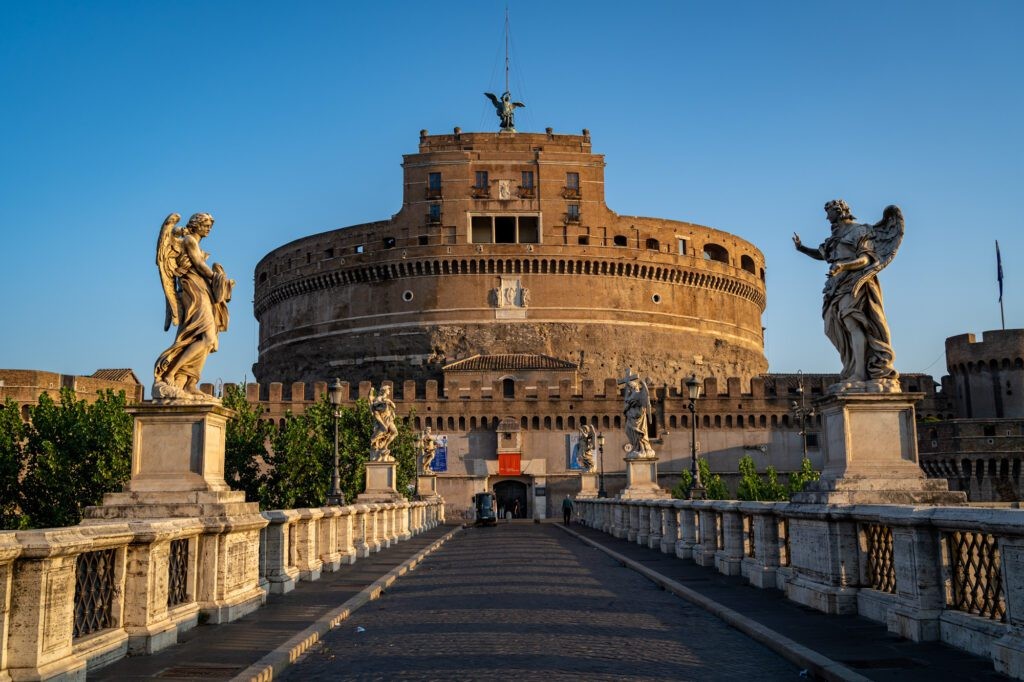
(382, 409)
(429, 447)
(852, 299)
(587, 445)
(637, 409)
(196, 297)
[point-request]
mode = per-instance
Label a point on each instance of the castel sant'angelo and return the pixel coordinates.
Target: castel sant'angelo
(505, 300)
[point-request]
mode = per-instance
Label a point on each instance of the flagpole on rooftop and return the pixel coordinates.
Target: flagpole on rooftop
(999, 277)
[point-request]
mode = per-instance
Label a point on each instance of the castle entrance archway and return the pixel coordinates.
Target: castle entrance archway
(512, 496)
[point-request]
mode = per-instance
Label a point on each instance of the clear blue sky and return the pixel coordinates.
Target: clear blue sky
(285, 119)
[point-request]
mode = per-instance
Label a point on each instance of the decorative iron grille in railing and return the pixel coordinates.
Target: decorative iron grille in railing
(719, 532)
(976, 584)
(94, 591)
(748, 536)
(177, 573)
(784, 542)
(881, 566)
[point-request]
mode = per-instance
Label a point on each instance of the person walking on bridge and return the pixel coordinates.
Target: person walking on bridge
(567, 509)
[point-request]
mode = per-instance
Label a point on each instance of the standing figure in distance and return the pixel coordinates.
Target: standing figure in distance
(196, 302)
(852, 299)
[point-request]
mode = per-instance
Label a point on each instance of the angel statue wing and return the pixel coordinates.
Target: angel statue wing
(886, 236)
(168, 248)
(494, 100)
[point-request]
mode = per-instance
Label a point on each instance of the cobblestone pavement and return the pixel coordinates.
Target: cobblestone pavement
(527, 601)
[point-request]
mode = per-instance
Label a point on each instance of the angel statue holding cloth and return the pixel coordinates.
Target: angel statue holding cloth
(196, 297)
(852, 299)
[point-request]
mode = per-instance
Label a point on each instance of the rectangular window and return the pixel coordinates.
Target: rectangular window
(527, 179)
(572, 180)
(573, 213)
(482, 229)
(481, 180)
(529, 229)
(681, 246)
(812, 440)
(435, 213)
(505, 230)
(434, 181)
(360, 248)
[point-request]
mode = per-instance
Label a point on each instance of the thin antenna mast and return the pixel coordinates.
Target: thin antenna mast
(506, 47)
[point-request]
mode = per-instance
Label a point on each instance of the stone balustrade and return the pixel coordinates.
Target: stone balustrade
(954, 574)
(76, 598)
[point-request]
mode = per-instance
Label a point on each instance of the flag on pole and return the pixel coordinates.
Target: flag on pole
(999, 271)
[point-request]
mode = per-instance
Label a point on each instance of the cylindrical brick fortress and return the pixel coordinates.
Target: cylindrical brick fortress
(504, 245)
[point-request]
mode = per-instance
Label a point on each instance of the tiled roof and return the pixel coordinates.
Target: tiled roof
(509, 362)
(124, 375)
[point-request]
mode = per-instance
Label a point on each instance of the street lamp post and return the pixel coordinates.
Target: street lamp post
(696, 490)
(601, 492)
(801, 411)
(335, 497)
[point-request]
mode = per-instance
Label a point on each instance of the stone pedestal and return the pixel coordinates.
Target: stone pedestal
(642, 480)
(870, 449)
(380, 483)
(588, 486)
(426, 486)
(178, 472)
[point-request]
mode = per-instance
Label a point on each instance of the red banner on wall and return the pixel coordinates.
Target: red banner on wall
(509, 464)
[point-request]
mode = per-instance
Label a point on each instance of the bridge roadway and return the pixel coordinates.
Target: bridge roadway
(532, 601)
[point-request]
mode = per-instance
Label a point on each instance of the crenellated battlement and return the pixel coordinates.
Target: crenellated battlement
(1002, 348)
(562, 404)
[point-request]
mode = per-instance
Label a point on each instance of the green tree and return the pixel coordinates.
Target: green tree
(714, 488)
(12, 457)
(245, 446)
(798, 480)
(302, 457)
(74, 453)
(754, 487)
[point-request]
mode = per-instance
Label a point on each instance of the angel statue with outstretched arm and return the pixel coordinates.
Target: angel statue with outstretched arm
(852, 299)
(196, 302)
(506, 109)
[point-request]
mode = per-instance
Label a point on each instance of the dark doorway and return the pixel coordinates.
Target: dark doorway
(511, 498)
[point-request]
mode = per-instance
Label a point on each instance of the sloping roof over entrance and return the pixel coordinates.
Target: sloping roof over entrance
(509, 362)
(125, 375)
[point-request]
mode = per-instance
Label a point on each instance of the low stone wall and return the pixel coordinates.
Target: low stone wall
(954, 574)
(76, 598)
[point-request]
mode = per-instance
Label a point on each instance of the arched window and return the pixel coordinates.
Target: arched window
(606, 422)
(559, 424)
(672, 421)
(462, 423)
(716, 253)
(451, 423)
(536, 423)
(747, 263)
(472, 423)
(619, 240)
(653, 245)
(547, 423)
(508, 388)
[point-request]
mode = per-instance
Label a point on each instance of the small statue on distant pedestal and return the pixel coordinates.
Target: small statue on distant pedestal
(852, 299)
(382, 409)
(588, 443)
(196, 302)
(505, 109)
(429, 447)
(637, 409)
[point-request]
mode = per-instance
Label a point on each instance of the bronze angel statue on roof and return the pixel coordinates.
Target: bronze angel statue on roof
(196, 302)
(852, 299)
(505, 109)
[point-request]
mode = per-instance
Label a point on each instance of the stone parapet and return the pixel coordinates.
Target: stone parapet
(144, 581)
(954, 574)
